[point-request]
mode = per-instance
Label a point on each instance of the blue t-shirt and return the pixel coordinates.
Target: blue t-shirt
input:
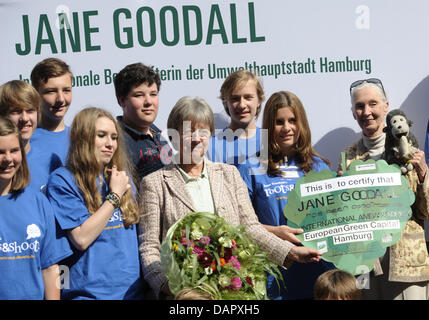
(48, 152)
(109, 269)
(269, 198)
(228, 148)
(29, 243)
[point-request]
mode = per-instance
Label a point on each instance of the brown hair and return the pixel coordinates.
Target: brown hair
(82, 162)
(18, 93)
(21, 179)
(239, 79)
(48, 68)
(336, 285)
(304, 150)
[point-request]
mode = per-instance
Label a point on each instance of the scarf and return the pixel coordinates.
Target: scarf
(375, 146)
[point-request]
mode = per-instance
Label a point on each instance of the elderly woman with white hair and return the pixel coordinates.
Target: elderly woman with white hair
(193, 183)
(403, 272)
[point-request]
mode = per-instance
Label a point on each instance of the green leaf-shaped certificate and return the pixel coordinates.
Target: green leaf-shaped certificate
(352, 218)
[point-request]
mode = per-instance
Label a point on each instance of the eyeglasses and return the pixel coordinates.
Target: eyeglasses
(202, 133)
(370, 80)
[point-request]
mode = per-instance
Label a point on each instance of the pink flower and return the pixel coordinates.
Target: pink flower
(183, 242)
(236, 284)
(199, 251)
(235, 263)
(204, 240)
(234, 247)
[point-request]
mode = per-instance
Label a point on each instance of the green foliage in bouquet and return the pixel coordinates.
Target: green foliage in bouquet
(202, 251)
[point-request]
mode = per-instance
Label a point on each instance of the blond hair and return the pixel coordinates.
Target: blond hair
(192, 294)
(237, 80)
(82, 162)
(18, 93)
(21, 179)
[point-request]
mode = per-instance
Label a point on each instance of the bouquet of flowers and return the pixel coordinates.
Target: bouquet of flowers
(204, 252)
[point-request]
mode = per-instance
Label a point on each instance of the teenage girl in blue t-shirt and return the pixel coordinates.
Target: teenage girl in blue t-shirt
(242, 95)
(29, 247)
(290, 156)
(94, 203)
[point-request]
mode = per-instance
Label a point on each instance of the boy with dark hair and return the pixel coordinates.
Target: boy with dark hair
(137, 87)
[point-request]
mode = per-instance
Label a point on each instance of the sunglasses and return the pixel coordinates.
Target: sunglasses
(371, 80)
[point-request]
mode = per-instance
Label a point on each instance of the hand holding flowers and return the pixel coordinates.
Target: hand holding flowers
(204, 252)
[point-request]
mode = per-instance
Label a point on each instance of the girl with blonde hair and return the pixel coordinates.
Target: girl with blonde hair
(30, 247)
(94, 202)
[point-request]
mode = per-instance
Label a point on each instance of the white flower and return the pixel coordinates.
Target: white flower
(196, 235)
(208, 271)
(224, 281)
(227, 243)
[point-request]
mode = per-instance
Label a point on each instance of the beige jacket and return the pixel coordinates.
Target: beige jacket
(165, 200)
(408, 258)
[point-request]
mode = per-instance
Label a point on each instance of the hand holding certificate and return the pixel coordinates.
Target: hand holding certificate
(353, 218)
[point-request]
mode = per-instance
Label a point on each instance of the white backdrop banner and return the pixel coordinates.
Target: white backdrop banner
(312, 48)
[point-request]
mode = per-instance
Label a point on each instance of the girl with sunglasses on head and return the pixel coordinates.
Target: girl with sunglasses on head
(95, 205)
(29, 245)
